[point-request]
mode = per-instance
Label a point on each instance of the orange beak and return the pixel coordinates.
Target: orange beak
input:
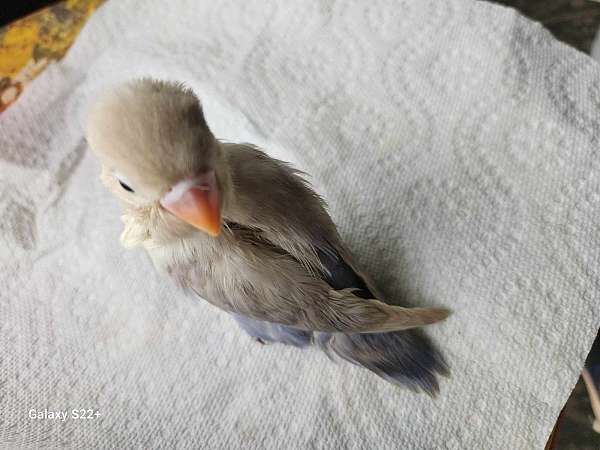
(196, 201)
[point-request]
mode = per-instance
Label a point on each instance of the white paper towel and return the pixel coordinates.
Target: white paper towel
(457, 144)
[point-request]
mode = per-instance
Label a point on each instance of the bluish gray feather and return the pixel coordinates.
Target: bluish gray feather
(268, 332)
(407, 358)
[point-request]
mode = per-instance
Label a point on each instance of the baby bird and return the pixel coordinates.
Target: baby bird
(247, 233)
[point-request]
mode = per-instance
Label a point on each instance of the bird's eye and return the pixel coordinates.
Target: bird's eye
(124, 186)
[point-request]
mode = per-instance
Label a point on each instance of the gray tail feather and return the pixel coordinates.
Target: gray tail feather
(405, 358)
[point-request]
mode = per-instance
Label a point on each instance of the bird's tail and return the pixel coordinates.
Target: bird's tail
(347, 312)
(405, 358)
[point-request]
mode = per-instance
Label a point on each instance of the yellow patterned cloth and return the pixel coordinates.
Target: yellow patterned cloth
(28, 45)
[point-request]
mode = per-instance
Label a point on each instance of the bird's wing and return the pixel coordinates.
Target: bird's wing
(336, 270)
(405, 358)
(293, 219)
(336, 298)
(274, 201)
(339, 274)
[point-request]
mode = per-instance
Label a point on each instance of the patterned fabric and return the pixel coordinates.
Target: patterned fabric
(28, 45)
(457, 146)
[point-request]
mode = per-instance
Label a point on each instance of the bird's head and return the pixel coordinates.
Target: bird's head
(158, 154)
